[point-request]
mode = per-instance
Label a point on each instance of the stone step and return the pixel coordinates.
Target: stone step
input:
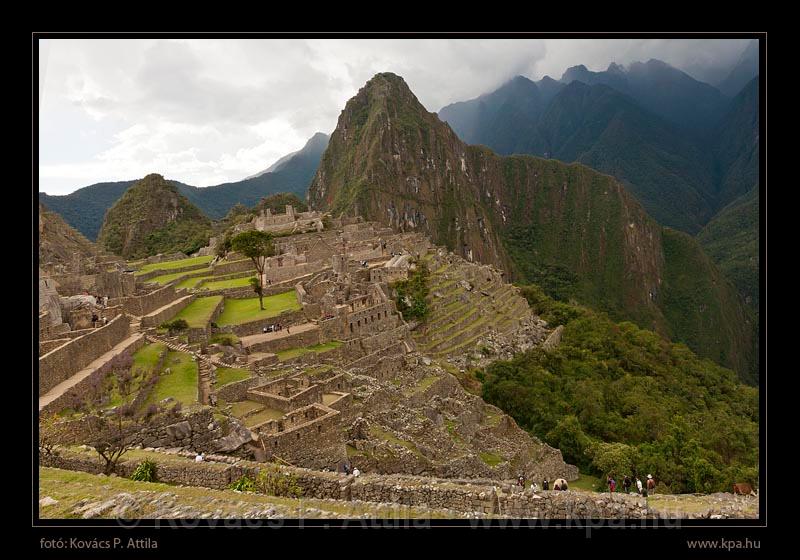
(475, 328)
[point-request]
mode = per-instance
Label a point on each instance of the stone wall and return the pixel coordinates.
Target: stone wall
(147, 303)
(316, 442)
(487, 497)
(155, 319)
(197, 430)
(297, 340)
(237, 391)
(63, 362)
(305, 397)
(254, 327)
(82, 389)
(554, 339)
(229, 267)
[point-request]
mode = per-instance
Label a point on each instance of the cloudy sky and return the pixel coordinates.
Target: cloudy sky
(209, 111)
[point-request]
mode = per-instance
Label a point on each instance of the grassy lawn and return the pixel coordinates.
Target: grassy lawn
(490, 458)
(180, 383)
(172, 265)
(238, 311)
(263, 416)
(198, 313)
(230, 283)
(229, 375)
(291, 353)
(144, 362)
(192, 282)
(240, 408)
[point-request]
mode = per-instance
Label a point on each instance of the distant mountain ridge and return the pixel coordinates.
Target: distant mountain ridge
(743, 72)
(85, 208)
(618, 122)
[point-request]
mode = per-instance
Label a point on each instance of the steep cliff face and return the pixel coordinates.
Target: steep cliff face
(153, 217)
(575, 231)
(59, 244)
(391, 161)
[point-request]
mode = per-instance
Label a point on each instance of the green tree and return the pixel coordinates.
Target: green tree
(257, 246)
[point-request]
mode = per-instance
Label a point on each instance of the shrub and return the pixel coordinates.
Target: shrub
(145, 471)
(244, 484)
(174, 326)
(273, 482)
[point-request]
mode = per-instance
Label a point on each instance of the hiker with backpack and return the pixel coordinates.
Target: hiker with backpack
(626, 483)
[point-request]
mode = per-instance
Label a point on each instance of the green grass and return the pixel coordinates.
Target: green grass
(318, 370)
(422, 386)
(192, 282)
(240, 408)
(231, 283)
(144, 362)
(490, 458)
(171, 265)
(180, 383)
(229, 375)
(238, 311)
(198, 313)
(378, 433)
(291, 353)
(167, 278)
(263, 416)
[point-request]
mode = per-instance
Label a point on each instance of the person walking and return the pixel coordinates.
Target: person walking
(651, 484)
(545, 485)
(639, 485)
(626, 483)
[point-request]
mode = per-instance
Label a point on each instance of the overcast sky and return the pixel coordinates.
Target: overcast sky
(209, 111)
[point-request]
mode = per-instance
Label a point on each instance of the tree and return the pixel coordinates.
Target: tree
(256, 285)
(257, 246)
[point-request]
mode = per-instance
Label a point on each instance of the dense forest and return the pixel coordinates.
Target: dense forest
(618, 399)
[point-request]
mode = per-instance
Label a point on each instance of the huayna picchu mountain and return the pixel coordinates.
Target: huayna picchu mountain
(153, 217)
(576, 232)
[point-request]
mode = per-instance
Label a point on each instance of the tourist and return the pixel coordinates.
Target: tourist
(287, 329)
(356, 472)
(651, 484)
(626, 483)
(521, 481)
(94, 319)
(639, 485)
(105, 320)
(264, 330)
(534, 487)
(545, 485)
(612, 485)
(198, 458)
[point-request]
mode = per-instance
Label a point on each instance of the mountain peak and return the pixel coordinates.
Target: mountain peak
(153, 217)
(616, 68)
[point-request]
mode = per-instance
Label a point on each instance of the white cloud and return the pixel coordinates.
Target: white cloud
(211, 111)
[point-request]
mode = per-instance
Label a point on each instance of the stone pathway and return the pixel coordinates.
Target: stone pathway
(68, 384)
